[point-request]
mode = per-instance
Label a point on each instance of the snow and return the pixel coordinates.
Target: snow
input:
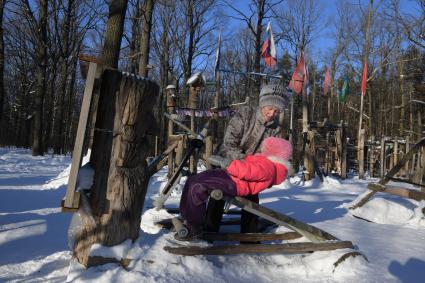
(34, 248)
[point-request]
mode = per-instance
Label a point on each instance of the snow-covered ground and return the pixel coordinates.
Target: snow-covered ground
(33, 234)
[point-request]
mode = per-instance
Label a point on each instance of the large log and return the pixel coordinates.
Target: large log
(119, 152)
(260, 248)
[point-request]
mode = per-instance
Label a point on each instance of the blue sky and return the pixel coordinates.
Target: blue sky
(323, 42)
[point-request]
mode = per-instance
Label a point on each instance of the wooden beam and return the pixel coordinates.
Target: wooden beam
(250, 237)
(402, 192)
(260, 248)
(79, 139)
(312, 233)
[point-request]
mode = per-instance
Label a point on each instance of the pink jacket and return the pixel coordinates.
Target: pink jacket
(256, 173)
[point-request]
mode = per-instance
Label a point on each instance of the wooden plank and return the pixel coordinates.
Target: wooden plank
(250, 237)
(402, 192)
(289, 248)
(312, 233)
(79, 139)
(391, 173)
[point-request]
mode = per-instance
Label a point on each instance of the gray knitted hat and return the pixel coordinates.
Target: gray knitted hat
(275, 95)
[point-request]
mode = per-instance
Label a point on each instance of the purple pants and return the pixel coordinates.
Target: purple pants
(197, 190)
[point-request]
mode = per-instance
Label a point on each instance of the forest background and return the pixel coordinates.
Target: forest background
(41, 85)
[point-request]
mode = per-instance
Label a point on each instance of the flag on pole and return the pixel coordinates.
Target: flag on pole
(268, 51)
(297, 80)
(217, 56)
(364, 79)
(327, 81)
(344, 91)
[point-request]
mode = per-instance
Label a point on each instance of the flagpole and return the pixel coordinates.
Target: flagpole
(360, 138)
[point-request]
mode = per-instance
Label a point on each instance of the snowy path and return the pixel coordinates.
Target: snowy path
(33, 241)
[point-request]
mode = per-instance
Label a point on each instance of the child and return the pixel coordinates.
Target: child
(249, 176)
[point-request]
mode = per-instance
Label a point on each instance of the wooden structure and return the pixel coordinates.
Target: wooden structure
(383, 154)
(110, 213)
(382, 186)
(319, 240)
(324, 145)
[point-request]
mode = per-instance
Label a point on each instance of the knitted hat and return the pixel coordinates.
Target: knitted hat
(274, 95)
(277, 147)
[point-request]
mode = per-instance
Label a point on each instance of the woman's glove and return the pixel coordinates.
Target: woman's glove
(219, 161)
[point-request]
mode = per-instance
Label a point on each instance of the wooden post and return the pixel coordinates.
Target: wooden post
(408, 163)
(196, 82)
(395, 153)
(171, 103)
(119, 159)
(208, 150)
(383, 159)
(308, 156)
(343, 151)
(79, 140)
(327, 151)
(361, 153)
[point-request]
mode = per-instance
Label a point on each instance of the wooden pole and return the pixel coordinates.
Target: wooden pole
(383, 159)
(344, 151)
(365, 59)
(260, 248)
(171, 103)
(250, 237)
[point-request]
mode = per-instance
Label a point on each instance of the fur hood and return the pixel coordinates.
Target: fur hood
(285, 163)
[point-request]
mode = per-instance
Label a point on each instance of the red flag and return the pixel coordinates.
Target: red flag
(327, 81)
(364, 79)
(268, 51)
(296, 83)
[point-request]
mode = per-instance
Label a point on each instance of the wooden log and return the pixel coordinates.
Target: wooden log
(289, 248)
(250, 237)
(391, 173)
(312, 233)
(402, 192)
(118, 157)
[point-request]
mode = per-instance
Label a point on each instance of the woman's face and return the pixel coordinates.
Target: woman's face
(270, 112)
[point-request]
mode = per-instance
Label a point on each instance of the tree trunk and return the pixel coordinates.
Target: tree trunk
(146, 36)
(119, 159)
(360, 152)
(37, 143)
(113, 35)
(2, 3)
(60, 109)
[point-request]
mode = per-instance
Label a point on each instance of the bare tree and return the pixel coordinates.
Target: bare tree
(2, 4)
(148, 8)
(114, 30)
(259, 10)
